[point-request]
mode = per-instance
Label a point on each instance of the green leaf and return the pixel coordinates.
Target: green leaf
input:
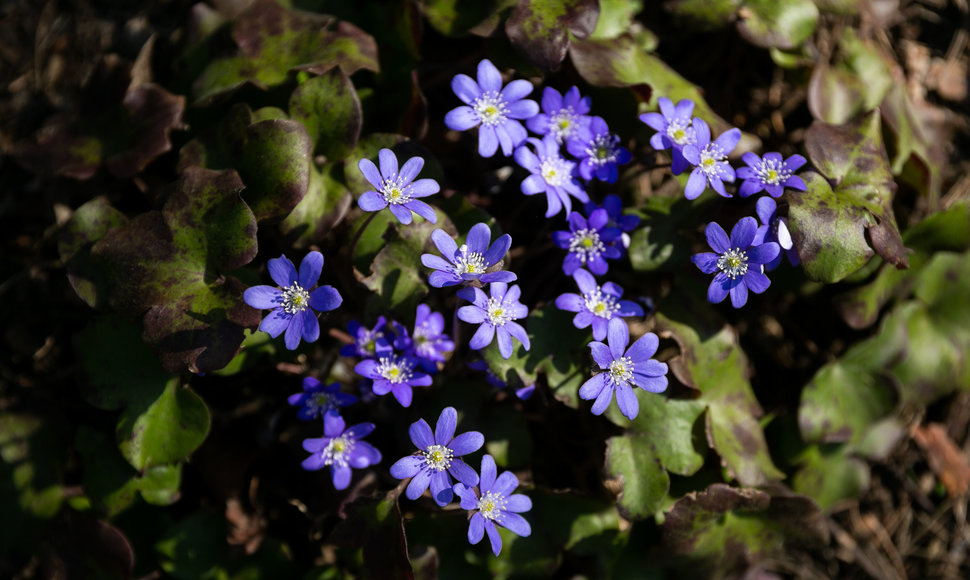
(274, 40)
(830, 474)
(656, 244)
(166, 430)
(704, 15)
(109, 481)
(615, 17)
(275, 166)
(831, 221)
(540, 29)
(326, 203)
(777, 23)
(457, 17)
(160, 484)
(88, 224)
(329, 109)
(30, 471)
(853, 85)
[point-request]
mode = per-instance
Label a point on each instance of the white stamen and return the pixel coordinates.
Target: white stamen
(621, 371)
(733, 262)
(601, 304)
(555, 171)
(438, 457)
(491, 506)
(498, 315)
(395, 370)
(337, 450)
(711, 156)
(772, 172)
(394, 190)
(491, 108)
(469, 262)
(681, 132)
(603, 149)
(295, 299)
(562, 124)
(586, 244)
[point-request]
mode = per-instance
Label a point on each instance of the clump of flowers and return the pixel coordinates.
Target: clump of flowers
(437, 460)
(675, 130)
(473, 260)
(596, 305)
(397, 190)
(599, 152)
(292, 305)
(496, 316)
(551, 174)
(737, 262)
(494, 503)
(625, 368)
(589, 242)
(709, 160)
(341, 449)
(562, 115)
(496, 111)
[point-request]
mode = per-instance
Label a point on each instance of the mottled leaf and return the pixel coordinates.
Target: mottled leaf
(457, 17)
(324, 206)
(656, 244)
(87, 224)
(329, 109)
(275, 167)
(853, 85)
(540, 29)
(777, 23)
(615, 17)
(916, 145)
(830, 474)
(397, 277)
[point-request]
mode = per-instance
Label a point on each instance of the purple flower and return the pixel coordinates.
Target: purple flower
(393, 374)
(291, 303)
(738, 262)
(318, 400)
(341, 449)
(624, 368)
(438, 457)
(562, 115)
(774, 230)
(596, 305)
(397, 190)
(492, 107)
(494, 504)
(496, 315)
(589, 243)
(614, 212)
(550, 174)
(675, 130)
(428, 342)
(708, 159)
(772, 174)
(367, 342)
(599, 151)
(469, 262)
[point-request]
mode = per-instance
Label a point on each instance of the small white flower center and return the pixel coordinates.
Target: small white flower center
(586, 244)
(733, 262)
(491, 505)
(621, 370)
(602, 150)
(555, 171)
(491, 108)
(336, 452)
(498, 315)
(562, 124)
(395, 191)
(681, 132)
(438, 457)
(318, 402)
(469, 262)
(295, 299)
(394, 370)
(600, 304)
(711, 155)
(772, 172)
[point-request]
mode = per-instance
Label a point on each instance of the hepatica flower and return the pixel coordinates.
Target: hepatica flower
(674, 130)
(599, 151)
(493, 109)
(293, 303)
(394, 374)
(589, 243)
(625, 368)
(494, 503)
(318, 400)
(398, 191)
(367, 341)
(470, 261)
(708, 159)
(771, 173)
(428, 342)
(341, 449)
(561, 116)
(551, 174)
(437, 459)
(496, 315)
(597, 305)
(775, 230)
(737, 262)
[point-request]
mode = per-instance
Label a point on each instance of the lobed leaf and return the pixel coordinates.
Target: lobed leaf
(540, 29)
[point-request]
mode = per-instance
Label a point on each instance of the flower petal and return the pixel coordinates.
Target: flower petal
(603, 400)
(471, 314)
(406, 467)
(262, 297)
(756, 281)
(282, 271)
(518, 503)
(422, 209)
(517, 90)
(294, 332)
(420, 483)
(466, 443)
(482, 337)
(627, 401)
(488, 473)
(476, 528)
(489, 79)
(696, 184)
(465, 88)
(764, 253)
(478, 238)
(340, 476)
(706, 261)
(570, 302)
(441, 491)
(445, 245)
(742, 234)
(411, 169)
(505, 484)
(493, 537)
(424, 187)
(325, 299)
(311, 328)
(739, 295)
(421, 435)
(592, 388)
(487, 141)
(371, 201)
(388, 163)
(370, 172)
(402, 392)
(718, 290)
(498, 249)
(651, 384)
(444, 430)
(643, 348)
(463, 472)
(402, 213)
(717, 238)
(461, 119)
(619, 337)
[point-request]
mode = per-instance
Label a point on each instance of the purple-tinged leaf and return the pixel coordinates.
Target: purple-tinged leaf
(540, 29)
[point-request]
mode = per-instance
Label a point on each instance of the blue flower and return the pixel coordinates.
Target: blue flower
(738, 262)
(438, 458)
(428, 343)
(774, 230)
(624, 369)
(675, 130)
(318, 400)
(708, 159)
(562, 115)
(550, 174)
(394, 374)
(772, 174)
(614, 212)
(589, 243)
(494, 504)
(341, 449)
(496, 315)
(599, 152)
(493, 108)
(367, 342)
(397, 190)
(596, 305)
(469, 262)
(292, 302)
